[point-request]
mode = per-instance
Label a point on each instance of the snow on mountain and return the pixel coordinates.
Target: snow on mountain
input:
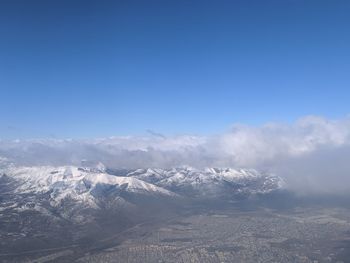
(78, 184)
(131, 184)
(210, 181)
(66, 190)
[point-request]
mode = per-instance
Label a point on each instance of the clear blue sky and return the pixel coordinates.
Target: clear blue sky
(101, 68)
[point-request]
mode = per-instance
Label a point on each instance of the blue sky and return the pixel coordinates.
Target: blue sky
(102, 68)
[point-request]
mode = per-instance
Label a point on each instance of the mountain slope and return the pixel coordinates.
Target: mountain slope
(210, 182)
(73, 192)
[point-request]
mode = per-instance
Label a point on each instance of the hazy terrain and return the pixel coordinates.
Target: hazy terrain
(184, 215)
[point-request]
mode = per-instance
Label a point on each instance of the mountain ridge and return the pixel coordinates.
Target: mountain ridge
(89, 185)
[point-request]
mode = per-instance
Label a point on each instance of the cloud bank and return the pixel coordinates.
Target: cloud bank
(312, 154)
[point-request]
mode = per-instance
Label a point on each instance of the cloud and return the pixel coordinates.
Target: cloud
(257, 145)
(311, 154)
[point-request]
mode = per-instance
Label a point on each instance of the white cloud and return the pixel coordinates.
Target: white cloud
(312, 153)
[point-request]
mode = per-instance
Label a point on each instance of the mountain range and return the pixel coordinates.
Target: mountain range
(65, 190)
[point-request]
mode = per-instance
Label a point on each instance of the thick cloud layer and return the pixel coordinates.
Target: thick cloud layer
(313, 154)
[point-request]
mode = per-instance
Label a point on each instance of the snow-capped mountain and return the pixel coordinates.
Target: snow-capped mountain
(75, 181)
(210, 181)
(67, 190)
(82, 185)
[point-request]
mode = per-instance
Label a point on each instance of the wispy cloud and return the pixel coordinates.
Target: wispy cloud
(156, 134)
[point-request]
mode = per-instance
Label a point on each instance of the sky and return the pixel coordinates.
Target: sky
(88, 69)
